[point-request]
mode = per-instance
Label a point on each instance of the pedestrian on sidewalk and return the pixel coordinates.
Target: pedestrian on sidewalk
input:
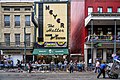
(71, 66)
(102, 70)
(30, 67)
(97, 66)
(19, 65)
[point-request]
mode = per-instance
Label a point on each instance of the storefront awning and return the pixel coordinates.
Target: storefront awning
(50, 52)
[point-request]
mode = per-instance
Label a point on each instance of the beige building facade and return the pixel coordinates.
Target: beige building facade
(15, 20)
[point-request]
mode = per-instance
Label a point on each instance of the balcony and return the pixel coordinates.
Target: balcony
(102, 18)
(13, 45)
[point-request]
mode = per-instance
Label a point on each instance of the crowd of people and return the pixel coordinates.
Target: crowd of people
(52, 66)
(7, 62)
(65, 65)
(60, 66)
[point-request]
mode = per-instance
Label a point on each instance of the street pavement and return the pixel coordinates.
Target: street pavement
(50, 76)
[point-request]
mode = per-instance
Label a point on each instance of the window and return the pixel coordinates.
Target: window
(17, 39)
(6, 8)
(27, 20)
(109, 53)
(7, 39)
(16, 8)
(7, 20)
(90, 10)
(99, 53)
(27, 8)
(17, 20)
(27, 39)
(100, 9)
(118, 10)
(109, 10)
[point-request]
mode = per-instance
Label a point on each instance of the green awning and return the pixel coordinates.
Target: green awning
(50, 51)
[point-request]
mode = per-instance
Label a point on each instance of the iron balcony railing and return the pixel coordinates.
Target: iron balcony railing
(105, 14)
(13, 45)
(102, 38)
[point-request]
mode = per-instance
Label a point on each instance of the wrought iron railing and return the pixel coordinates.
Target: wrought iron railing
(102, 38)
(105, 14)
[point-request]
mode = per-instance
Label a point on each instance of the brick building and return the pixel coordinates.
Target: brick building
(96, 22)
(102, 21)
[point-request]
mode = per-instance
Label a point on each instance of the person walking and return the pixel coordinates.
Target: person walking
(97, 66)
(65, 64)
(71, 66)
(30, 66)
(19, 65)
(102, 70)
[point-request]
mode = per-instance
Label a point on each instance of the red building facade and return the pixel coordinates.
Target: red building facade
(99, 19)
(77, 29)
(102, 18)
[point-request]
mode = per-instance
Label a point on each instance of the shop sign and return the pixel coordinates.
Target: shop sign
(55, 23)
(50, 51)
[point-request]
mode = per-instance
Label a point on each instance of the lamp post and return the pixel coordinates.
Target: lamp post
(25, 46)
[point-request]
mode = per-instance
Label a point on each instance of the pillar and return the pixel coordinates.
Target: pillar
(115, 38)
(33, 58)
(92, 40)
(94, 54)
(85, 57)
(104, 55)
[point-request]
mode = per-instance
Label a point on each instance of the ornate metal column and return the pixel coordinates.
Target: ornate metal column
(115, 38)
(92, 40)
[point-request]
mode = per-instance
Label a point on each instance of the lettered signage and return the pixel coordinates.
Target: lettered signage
(55, 22)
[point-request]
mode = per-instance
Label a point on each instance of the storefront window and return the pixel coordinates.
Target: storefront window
(89, 56)
(109, 55)
(118, 52)
(100, 53)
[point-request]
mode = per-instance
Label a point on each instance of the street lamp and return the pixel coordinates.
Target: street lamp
(25, 46)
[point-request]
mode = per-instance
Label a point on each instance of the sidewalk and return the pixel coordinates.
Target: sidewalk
(47, 71)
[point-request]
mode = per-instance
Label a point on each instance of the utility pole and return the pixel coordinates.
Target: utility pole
(25, 47)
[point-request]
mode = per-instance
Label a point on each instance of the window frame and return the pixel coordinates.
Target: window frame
(90, 10)
(100, 9)
(108, 10)
(118, 10)
(27, 20)
(7, 38)
(17, 39)
(28, 39)
(16, 8)
(6, 8)
(17, 20)
(27, 8)
(7, 21)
